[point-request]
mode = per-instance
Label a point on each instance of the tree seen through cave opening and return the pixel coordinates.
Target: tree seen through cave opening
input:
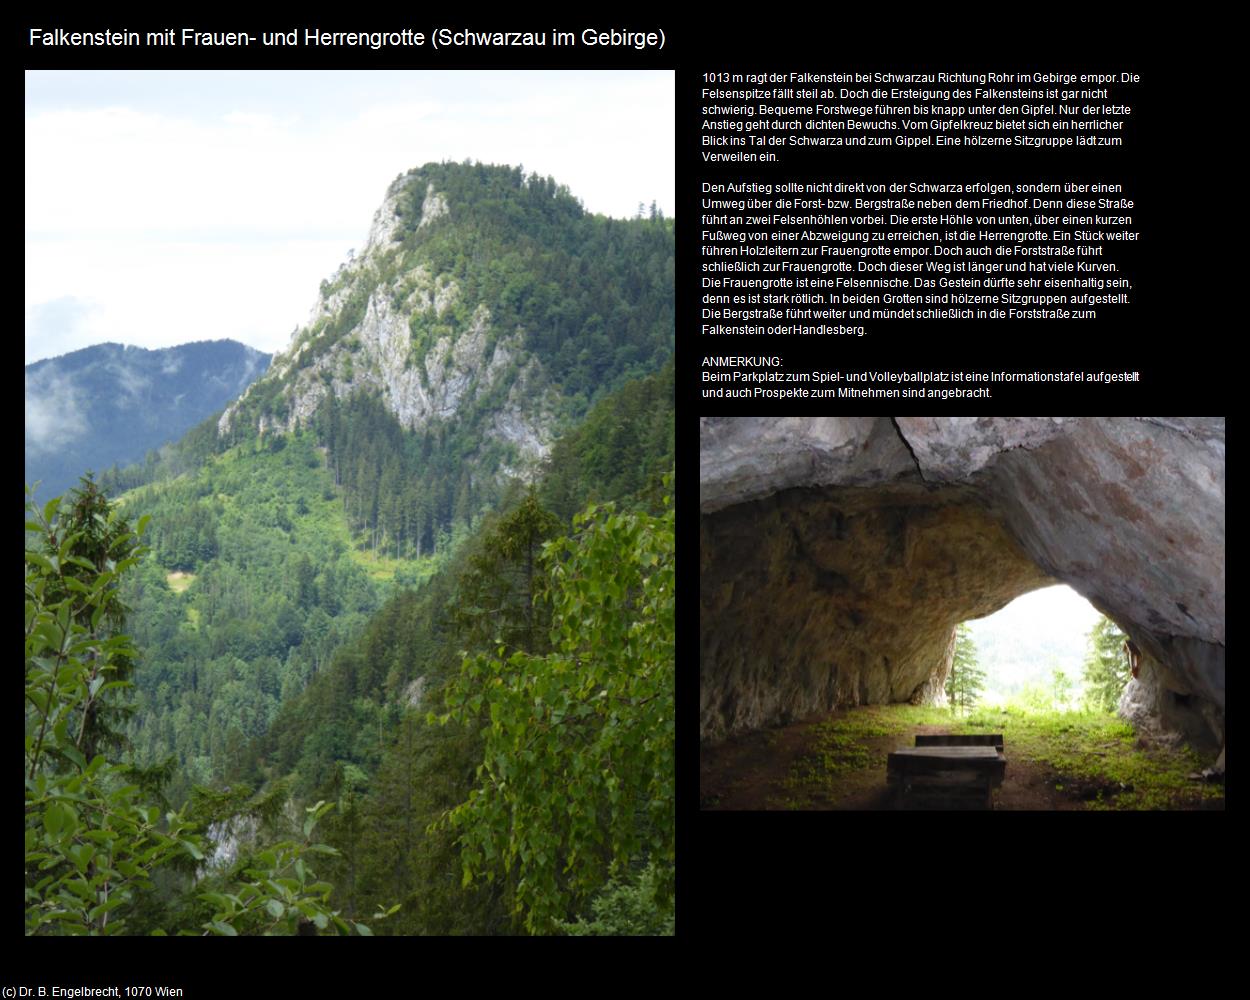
(966, 680)
(1047, 651)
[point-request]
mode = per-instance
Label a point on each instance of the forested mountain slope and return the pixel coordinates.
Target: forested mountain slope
(252, 581)
(366, 732)
(401, 490)
(273, 662)
(485, 313)
(109, 404)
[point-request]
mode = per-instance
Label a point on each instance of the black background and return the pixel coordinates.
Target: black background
(1058, 888)
(771, 895)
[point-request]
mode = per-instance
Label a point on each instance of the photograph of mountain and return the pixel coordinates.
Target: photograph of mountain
(357, 620)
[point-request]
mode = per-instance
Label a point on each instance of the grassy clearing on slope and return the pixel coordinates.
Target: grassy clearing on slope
(386, 569)
(179, 581)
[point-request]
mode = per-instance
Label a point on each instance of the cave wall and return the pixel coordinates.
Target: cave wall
(816, 598)
(838, 552)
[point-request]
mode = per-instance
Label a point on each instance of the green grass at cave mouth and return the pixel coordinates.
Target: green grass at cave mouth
(1092, 756)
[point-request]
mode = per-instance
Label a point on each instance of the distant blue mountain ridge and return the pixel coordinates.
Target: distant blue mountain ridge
(110, 404)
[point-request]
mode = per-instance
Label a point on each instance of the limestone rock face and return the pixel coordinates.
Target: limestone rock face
(933, 690)
(414, 692)
(956, 447)
(743, 458)
(811, 600)
(375, 353)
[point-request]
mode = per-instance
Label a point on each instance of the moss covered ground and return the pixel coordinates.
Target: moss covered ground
(1056, 760)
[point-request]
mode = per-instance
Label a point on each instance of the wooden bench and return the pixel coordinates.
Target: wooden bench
(948, 772)
(979, 740)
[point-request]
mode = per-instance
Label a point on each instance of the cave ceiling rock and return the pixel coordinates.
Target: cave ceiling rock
(744, 458)
(1129, 511)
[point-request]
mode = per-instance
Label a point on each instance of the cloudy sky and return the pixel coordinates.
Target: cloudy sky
(163, 208)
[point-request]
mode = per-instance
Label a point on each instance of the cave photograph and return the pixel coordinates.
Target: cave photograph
(941, 613)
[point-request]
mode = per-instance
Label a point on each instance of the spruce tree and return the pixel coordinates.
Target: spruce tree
(967, 679)
(1106, 668)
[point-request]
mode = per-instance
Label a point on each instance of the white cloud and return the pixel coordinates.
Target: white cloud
(199, 206)
(157, 293)
(53, 414)
(132, 383)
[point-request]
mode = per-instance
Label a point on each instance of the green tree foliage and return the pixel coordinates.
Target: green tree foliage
(374, 692)
(98, 541)
(92, 845)
(1106, 669)
(262, 671)
(90, 842)
(576, 778)
(481, 592)
(275, 891)
(426, 772)
(966, 680)
(621, 451)
(498, 599)
(266, 595)
(361, 713)
(632, 906)
(1061, 686)
(185, 455)
(405, 493)
(524, 246)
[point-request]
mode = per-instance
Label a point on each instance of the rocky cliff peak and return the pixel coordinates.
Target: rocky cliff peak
(394, 319)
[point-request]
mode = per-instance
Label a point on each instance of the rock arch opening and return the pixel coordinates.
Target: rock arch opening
(838, 553)
(1023, 646)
